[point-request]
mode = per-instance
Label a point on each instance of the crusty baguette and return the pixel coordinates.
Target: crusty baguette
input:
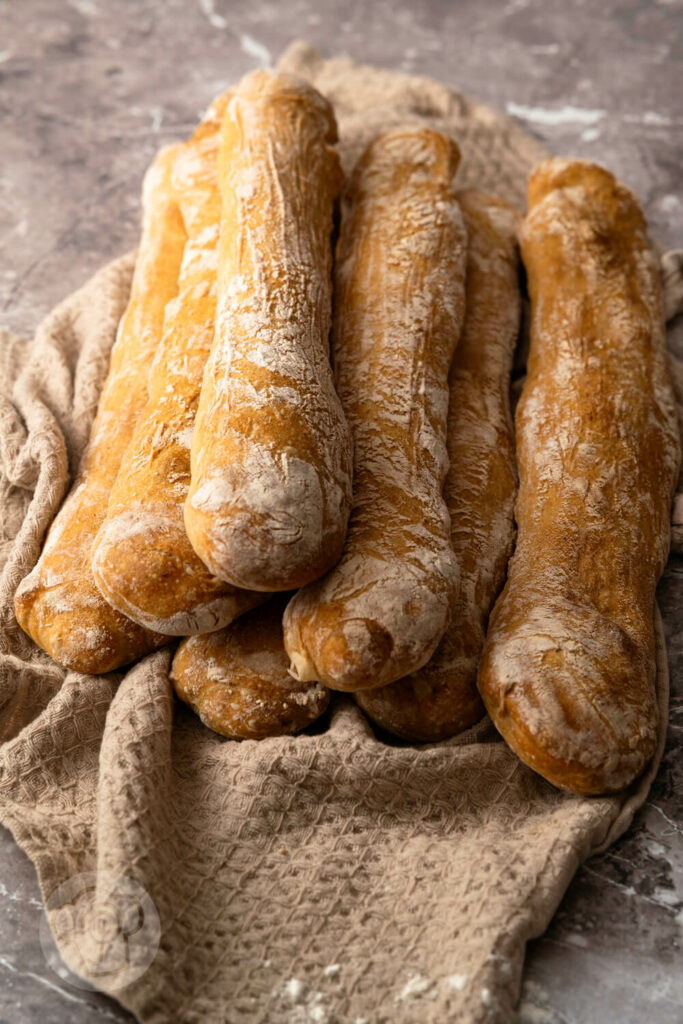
(237, 679)
(271, 453)
(568, 668)
(58, 604)
(441, 699)
(142, 560)
(399, 305)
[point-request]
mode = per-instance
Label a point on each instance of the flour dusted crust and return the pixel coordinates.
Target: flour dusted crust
(58, 604)
(142, 560)
(399, 305)
(568, 668)
(441, 699)
(237, 679)
(271, 452)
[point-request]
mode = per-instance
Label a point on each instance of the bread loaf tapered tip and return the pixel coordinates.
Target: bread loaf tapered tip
(237, 680)
(405, 157)
(392, 622)
(78, 629)
(561, 173)
(140, 564)
(263, 524)
(338, 651)
(264, 87)
(573, 694)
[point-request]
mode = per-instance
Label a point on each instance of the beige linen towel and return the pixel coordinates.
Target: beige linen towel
(329, 877)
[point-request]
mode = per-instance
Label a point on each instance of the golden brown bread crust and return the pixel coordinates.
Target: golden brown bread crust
(441, 699)
(142, 560)
(399, 306)
(567, 672)
(271, 452)
(58, 604)
(237, 679)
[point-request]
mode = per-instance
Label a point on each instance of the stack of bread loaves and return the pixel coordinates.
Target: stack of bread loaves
(312, 520)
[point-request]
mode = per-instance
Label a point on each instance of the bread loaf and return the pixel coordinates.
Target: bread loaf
(142, 560)
(237, 679)
(441, 699)
(271, 453)
(58, 604)
(568, 668)
(399, 305)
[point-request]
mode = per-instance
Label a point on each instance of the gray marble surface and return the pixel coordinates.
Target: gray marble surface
(90, 88)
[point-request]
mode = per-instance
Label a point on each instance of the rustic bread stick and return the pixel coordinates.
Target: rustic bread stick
(399, 305)
(271, 453)
(441, 699)
(142, 560)
(58, 604)
(567, 672)
(237, 679)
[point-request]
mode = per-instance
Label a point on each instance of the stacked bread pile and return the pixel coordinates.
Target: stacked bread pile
(313, 516)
